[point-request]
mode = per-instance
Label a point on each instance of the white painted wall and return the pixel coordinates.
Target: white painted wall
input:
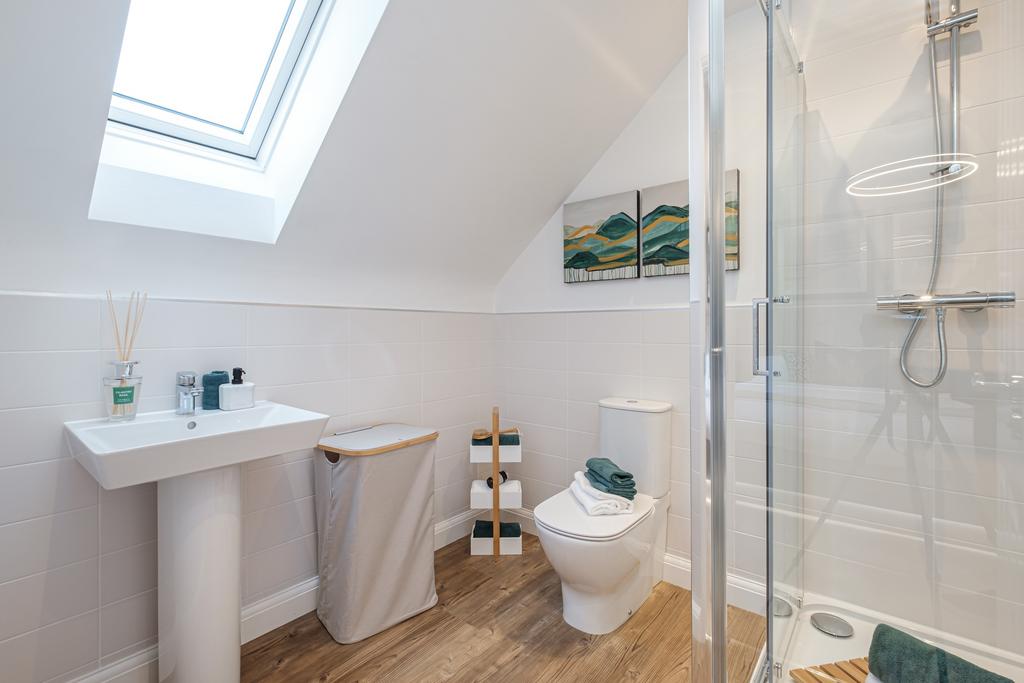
(652, 150)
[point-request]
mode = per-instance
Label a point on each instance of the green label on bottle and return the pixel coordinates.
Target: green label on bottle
(124, 395)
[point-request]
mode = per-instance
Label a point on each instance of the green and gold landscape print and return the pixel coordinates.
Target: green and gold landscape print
(665, 227)
(600, 238)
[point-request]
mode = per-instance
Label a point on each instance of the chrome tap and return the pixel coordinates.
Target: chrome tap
(189, 395)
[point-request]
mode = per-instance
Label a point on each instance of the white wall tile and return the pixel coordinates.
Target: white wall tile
(267, 527)
(330, 398)
(44, 323)
(130, 621)
(608, 327)
(275, 485)
(127, 517)
(534, 382)
(180, 324)
(371, 360)
(478, 327)
(48, 652)
(592, 387)
(42, 599)
(47, 543)
(666, 327)
(46, 379)
(44, 488)
(127, 572)
(372, 326)
(611, 359)
(534, 327)
(296, 364)
(296, 326)
(457, 383)
(277, 567)
(37, 434)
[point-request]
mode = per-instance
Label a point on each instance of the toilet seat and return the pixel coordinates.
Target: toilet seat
(562, 515)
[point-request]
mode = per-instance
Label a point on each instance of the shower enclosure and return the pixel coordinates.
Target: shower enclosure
(882, 341)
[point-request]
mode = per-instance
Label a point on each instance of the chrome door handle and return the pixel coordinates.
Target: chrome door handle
(755, 309)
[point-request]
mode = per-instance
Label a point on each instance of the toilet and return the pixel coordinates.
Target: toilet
(609, 564)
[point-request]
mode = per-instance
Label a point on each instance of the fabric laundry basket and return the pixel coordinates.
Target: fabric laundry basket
(375, 528)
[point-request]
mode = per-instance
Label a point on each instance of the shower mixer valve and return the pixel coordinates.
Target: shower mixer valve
(969, 301)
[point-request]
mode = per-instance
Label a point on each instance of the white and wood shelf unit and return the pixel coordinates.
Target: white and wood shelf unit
(510, 495)
(507, 538)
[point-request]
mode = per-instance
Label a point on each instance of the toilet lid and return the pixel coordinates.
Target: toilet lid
(563, 515)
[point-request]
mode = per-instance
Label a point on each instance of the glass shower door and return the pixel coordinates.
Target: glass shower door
(895, 356)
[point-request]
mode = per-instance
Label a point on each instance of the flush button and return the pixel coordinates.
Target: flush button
(191, 425)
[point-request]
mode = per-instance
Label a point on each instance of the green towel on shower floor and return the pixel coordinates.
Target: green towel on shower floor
(898, 657)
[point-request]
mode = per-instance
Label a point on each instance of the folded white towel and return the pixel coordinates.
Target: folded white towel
(596, 506)
(595, 492)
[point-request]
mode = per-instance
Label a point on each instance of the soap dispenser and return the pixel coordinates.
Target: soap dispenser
(238, 394)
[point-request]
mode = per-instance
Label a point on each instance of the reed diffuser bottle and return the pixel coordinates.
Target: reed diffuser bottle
(121, 392)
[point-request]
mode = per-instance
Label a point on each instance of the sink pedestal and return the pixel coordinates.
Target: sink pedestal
(196, 461)
(199, 542)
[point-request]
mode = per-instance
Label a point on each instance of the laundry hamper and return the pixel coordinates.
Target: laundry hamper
(375, 528)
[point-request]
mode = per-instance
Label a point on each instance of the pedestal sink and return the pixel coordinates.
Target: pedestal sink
(196, 462)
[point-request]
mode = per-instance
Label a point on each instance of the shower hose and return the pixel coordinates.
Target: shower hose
(940, 313)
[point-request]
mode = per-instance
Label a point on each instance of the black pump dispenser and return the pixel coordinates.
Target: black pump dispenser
(236, 375)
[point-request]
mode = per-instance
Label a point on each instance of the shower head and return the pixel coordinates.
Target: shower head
(939, 170)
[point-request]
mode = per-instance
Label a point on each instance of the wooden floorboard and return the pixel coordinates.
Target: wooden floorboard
(500, 619)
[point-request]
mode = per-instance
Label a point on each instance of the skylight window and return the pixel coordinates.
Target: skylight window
(211, 72)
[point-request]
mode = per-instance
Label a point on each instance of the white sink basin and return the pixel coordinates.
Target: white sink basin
(161, 445)
(196, 462)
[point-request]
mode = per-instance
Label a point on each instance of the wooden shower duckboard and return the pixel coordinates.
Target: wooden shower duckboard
(849, 671)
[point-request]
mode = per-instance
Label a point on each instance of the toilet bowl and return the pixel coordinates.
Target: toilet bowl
(607, 564)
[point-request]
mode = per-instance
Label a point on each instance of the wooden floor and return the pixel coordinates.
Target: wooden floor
(500, 619)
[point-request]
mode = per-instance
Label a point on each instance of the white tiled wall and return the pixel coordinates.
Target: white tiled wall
(554, 367)
(913, 499)
(78, 564)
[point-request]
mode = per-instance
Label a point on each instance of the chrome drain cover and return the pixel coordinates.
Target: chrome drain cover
(781, 608)
(831, 625)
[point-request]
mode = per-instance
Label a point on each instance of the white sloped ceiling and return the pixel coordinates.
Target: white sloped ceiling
(467, 124)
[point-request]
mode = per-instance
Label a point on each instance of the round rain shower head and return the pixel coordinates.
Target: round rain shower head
(938, 169)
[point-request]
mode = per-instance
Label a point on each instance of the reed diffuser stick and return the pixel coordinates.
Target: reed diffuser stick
(127, 326)
(140, 308)
(113, 320)
(125, 337)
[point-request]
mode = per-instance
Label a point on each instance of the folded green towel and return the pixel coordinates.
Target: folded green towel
(609, 471)
(503, 440)
(601, 484)
(484, 529)
(898, 657)
(211, 388)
